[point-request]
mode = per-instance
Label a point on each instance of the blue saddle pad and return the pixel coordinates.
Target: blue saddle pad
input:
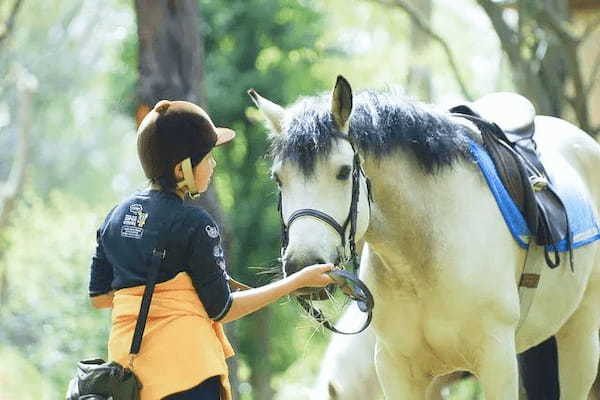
(567, 184)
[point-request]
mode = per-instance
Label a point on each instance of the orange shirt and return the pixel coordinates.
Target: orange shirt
(181, 346)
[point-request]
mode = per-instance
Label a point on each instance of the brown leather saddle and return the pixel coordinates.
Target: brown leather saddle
(507, 125)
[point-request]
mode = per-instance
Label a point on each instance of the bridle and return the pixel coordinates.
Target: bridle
(349, 282)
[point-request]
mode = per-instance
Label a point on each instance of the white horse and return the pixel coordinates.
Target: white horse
(440, 261)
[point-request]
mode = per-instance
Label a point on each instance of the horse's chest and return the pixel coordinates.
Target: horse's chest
(425, 329)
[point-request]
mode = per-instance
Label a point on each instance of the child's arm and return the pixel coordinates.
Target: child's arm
(248, 301)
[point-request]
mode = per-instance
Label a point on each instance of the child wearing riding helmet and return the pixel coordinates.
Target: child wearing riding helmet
(184, 346)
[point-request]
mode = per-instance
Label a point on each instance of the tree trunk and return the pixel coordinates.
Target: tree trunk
(170, 51)
(171, 67)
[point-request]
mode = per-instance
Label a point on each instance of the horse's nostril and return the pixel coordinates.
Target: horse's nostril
(292, 265)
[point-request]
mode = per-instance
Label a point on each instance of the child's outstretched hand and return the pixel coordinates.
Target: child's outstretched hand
(314, 276)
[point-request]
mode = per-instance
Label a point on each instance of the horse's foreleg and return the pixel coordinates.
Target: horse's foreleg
(399, 378)
(578, 351)
(497, 368)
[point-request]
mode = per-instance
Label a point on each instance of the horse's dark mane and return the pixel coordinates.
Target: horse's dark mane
(382, 123)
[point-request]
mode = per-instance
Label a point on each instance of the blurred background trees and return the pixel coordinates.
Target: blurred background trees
(75, 75)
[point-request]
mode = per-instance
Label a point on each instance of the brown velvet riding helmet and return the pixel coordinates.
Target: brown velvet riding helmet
(172, 132)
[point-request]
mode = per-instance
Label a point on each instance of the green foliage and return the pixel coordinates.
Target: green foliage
(466, 389)
(80, 145)
(123, 76)
(47, 314)
(261, 44)
(77, 143)
(20, 379)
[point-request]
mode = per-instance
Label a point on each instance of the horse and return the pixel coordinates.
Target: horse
(443, 268)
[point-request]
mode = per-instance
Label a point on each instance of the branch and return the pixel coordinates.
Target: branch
(509, 40)
(592, 79)
(427, 28)
(580, 98)
(8, 25)
(26, 86)
(562, 30)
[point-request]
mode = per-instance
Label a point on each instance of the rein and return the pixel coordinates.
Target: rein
(353, 287)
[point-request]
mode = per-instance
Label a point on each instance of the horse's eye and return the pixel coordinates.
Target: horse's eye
(344, 173)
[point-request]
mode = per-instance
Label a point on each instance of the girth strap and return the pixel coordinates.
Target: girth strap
(530, 278)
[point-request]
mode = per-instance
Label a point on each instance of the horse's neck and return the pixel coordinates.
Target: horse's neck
(398, 213)
(413, 210)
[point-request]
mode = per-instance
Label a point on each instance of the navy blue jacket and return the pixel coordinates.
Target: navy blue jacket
(193, 244)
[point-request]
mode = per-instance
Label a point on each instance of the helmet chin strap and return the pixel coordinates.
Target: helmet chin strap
(188, 179)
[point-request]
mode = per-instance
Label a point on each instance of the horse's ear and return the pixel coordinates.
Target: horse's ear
(341, 104)
(272, 112)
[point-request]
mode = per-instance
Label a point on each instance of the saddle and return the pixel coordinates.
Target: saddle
(506, 123)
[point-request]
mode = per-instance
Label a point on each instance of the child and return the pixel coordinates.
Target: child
(184, 347)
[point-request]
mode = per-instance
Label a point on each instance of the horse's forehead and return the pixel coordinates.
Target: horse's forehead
(341, 153)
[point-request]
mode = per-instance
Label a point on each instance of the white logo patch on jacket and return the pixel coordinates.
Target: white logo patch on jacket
(218, 251)
(133, 223)
(212, 231)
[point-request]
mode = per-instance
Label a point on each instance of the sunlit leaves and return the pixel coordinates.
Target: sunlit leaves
(47, 313)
